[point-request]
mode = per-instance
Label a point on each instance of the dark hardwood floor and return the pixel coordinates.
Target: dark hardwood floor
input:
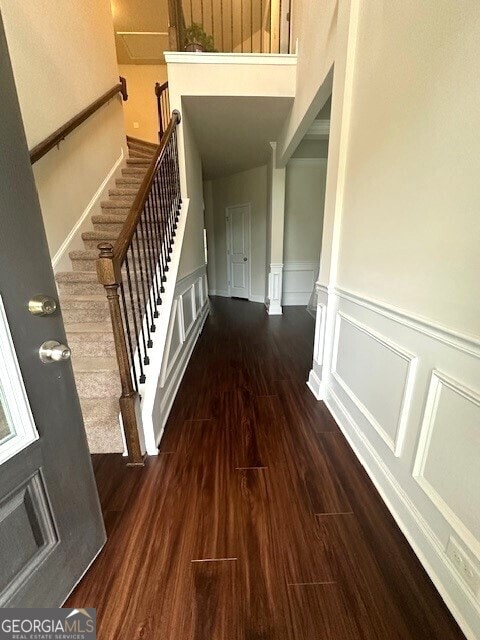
(256, 521)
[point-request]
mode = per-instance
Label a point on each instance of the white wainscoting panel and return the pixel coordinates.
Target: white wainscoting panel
(189, 312)
(298, 282)
(377, 375)
(448, 455)
(389, 377)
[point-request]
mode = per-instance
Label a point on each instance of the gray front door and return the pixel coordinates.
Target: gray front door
(50, 522)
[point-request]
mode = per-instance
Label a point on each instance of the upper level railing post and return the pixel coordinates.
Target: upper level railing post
(130, 399)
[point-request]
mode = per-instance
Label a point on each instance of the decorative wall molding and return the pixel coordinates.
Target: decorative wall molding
(186, 57)
(469, 344)
(60, 260)
(395, 443)
(428, 476)
(439, 382)
(189, 312)
(274, 305)
(298, 282)
(426, 545)
(149, 391)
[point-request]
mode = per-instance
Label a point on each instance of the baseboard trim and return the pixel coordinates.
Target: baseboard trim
(65, 246)
(424, 543)
(315, 385)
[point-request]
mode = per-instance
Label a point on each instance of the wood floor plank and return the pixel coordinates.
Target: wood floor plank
(296, 575)
(322, 612)
(401, 570)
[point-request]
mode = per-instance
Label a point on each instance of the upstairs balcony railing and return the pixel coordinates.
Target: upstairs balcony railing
(230, 26)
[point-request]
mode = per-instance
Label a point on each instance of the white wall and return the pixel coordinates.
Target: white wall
(241, 188)
(315, 26)
(418, 226)
(397, 348)
(62, 61)
(304, 204)
(141, 106)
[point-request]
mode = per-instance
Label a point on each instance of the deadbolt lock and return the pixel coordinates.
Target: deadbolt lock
(42, 306)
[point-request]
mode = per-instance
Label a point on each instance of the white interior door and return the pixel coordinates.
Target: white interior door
(238, 250)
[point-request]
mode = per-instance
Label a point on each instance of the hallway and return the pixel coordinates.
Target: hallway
(256, 521)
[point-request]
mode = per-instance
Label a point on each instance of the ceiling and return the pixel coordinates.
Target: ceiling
(141, 30)
(233, 133)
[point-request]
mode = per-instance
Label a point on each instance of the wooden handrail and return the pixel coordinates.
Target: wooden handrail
(160, 88)
(109, 276)
(62, 132)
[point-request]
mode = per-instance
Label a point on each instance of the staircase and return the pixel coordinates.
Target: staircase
(86, 312)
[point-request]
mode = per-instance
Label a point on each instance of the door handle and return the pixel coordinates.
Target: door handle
(245, 259)
(53, 351)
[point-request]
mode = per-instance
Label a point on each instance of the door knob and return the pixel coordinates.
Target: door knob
(53, 351)
(245, 259)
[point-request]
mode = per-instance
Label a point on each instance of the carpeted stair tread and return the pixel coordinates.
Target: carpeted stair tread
(138, 162)
(88, 327)
(94, 364)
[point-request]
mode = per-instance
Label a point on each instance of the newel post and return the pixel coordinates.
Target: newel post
(129, 400)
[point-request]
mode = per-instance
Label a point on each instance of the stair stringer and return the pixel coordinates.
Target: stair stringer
(148, 391)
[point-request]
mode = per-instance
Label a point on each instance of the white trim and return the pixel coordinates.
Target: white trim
(315, 385)
(187, 57)
(419, 535)
(219, 292)
(319, 341)
(13, 396)
(318, 129)
(307, 161)
(141, 33)
(149, 389)
(396, 444)
(256, 298)
(275, 287)
(178, 370)
(467, 343)
(65, 246)
(437, 380)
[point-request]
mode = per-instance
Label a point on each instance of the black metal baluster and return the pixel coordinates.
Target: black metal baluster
(146, 359)
(152, 255)
(159, 233)
(144, 293)
(131, 350)
(134, 317)
(165, 240)
(144, 230)
(164, 173)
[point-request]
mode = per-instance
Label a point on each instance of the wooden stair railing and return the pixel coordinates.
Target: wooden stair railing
(163, 106)
(133, 272)
(62, 132)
